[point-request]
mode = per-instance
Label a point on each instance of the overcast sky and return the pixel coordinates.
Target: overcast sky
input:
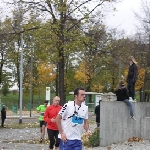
(124, 17)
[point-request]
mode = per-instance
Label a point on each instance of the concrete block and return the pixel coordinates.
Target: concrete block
(117, 125)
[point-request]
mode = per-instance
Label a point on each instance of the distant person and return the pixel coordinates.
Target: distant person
(132, 77)
(97, 113)
(41, 109)
(50, 118)
(71, 120)
(3, 116)
(122, 95)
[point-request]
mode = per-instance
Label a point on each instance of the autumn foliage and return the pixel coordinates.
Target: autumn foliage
(86, 75)
(45, 74)
(83, 74)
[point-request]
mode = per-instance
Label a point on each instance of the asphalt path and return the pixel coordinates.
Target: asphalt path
(34, 118)
(31, 133)
(24, 120)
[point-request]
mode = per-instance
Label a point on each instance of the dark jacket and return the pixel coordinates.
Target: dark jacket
(3, 113)
(132, 73)
(97, 112)
(122, 93)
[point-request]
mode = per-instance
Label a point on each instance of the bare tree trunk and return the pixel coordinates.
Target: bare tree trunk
(1, 68)
(61, 63)
(56, 80)
(61, 77)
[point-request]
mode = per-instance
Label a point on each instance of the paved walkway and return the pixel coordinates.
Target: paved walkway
(14, 118)
(8, 136)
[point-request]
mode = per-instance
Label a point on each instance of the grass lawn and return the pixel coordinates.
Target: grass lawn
(11, 100)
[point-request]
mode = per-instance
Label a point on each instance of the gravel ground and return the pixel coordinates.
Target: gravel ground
(7, 136)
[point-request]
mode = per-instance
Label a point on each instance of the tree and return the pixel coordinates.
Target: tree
(60, 12)
(45, 75)
(6, 38)
(143, 39)
(5, 90)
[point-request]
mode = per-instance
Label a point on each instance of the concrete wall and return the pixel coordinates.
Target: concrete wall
(116, 124)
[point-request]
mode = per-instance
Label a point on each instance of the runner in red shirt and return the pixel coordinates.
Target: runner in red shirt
(50, 117)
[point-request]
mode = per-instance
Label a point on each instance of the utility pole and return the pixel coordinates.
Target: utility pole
(21, 64)
(31, 74)
(21, 74)
(21, 68)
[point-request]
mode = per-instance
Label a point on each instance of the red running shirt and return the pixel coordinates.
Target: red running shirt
(51, 112)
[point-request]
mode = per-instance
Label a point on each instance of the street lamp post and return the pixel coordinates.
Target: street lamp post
(21, 70)
(21, 75)
(31, 75)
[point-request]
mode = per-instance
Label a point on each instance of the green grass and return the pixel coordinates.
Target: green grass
(13, 100)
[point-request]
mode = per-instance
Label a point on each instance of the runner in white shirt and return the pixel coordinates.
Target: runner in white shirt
(70, 121)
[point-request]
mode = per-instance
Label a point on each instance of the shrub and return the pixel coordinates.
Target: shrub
(93, 140)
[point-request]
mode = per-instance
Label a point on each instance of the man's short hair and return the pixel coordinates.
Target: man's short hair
(46, 101)
(76, 91)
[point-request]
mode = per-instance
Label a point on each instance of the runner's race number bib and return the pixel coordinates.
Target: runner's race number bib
(77, 120)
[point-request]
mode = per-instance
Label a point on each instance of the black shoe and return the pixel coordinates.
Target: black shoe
(41, 140)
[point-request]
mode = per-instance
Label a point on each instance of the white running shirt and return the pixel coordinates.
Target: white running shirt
(73, 119)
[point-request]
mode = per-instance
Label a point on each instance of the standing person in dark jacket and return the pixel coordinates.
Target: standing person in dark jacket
(132, 76)
(97, 113)
(122, 95)
(3, 116)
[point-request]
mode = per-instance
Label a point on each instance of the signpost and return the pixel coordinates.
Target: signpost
(48, 95)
